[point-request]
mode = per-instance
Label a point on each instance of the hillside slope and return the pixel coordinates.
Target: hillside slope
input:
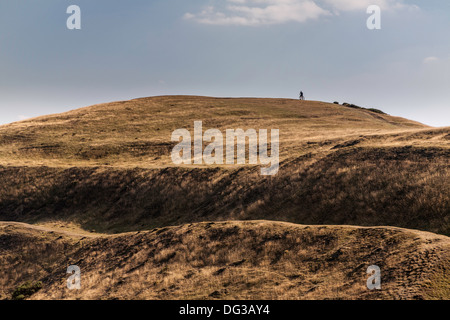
(84, 177)
(228, 260)
(138, 132)
(107, 167)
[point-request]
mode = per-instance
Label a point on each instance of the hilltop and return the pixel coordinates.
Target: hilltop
(137, 132)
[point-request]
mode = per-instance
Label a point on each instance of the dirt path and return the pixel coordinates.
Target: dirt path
(47, 229)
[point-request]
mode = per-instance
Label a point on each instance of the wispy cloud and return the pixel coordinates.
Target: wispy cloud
(352, 5)
(259, 12)
(270, 12)
(429, 60)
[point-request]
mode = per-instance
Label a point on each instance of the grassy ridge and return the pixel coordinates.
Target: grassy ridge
(138, 132)
(229, 260)
(357, 187)
(108, 167)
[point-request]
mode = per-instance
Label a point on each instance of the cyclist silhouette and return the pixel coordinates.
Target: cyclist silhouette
(301, 97)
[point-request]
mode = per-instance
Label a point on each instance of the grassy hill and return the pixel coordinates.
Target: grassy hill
(137, 132)
(228, 260)
(99, 189)
(107, 167)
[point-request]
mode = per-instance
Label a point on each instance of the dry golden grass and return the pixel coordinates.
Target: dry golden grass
(107, 169)
(229, 260)
(137, 132)
(357, 186)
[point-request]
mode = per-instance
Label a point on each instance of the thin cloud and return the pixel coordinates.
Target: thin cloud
(429, 60)
(353, 5)
(251, 13)
(270, 12)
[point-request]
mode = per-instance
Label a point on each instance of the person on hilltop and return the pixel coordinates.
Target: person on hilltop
(302, 97)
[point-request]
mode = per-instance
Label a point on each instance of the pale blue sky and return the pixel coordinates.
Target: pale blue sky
(226, 48)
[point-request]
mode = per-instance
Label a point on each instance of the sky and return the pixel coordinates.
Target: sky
(226, 48)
